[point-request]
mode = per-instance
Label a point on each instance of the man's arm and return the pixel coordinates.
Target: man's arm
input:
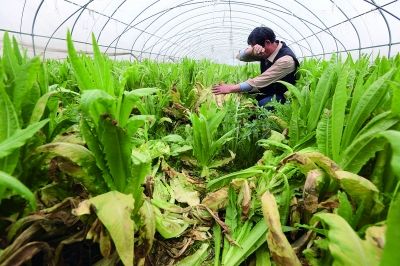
(247, 55)
(282, 67)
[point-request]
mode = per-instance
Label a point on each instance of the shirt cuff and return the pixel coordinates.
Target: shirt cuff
(245, 87)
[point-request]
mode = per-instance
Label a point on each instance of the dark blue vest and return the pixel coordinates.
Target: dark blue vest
(277, 88)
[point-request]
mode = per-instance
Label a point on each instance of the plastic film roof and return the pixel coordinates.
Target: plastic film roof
(168, 30)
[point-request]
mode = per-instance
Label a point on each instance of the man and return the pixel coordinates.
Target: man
(277, 62)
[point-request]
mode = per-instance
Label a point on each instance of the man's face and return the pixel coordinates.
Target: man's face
(269, 48)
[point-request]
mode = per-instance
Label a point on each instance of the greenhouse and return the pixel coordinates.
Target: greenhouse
(200, 133)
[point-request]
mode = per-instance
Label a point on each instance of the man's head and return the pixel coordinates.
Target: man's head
(263, 36)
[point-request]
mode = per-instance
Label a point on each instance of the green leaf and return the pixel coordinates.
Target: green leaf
(183, 191)
(362, 67)
(147, 228)
(262, 256)
(396, 98)
(137, 121)
(294, 130)
(345, 245)
(103, 78)
(248, 244)
(197, 258)
(324, 134)
(40, 105)
(339, 103)
(173, 138)
(16, 50)
(391, 254)
(117, 149)
(114, 210)
(366, 143)
(168, 225)
(394, 139)
(320, 97)
(83, 77)
(96, 103)
(25, 93)
(96, 148)
(9, 124)
(284, 202)
(217, 243)
(87, 173)
(140, 92)
(140, 169)
(294, 90)
(19, 138)
(369, 100)
(43, 79)
(10, 61)
(12, 183)
(344, 209)
(226, 179)
(359, 188)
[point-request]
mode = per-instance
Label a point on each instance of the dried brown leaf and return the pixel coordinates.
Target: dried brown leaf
(282, 252)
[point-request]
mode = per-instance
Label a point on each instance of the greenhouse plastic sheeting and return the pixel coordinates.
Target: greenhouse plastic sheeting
(168, 30)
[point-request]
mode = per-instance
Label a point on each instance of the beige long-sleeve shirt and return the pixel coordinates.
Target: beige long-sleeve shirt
(282, 67)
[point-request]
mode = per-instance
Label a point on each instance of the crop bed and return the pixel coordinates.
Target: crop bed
(108, 162)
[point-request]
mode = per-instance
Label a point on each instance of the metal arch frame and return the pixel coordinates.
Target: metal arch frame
(309, 49)
(194, 51)
(200, 29)
(187, 47)
(383, 9)
(111, 18)
(230, 18)
(354, 17)
(326, 27)
(380, 8)
(80, 14)
(195, 30)
(355, 49)
(264, 8)
(82, 8)
(288, 12)
(165, 11)
(192, 30)
(184, 4)
(96, 20)
(33, 26)
(301, 19)
(208, 40)
(81, 42)
(238, 12)
(387, 26)
(355, 30)
(21, 20)
(59, 26)
(360, 15)
(129, 26)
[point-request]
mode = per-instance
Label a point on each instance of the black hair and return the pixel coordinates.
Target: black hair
(259, 35)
